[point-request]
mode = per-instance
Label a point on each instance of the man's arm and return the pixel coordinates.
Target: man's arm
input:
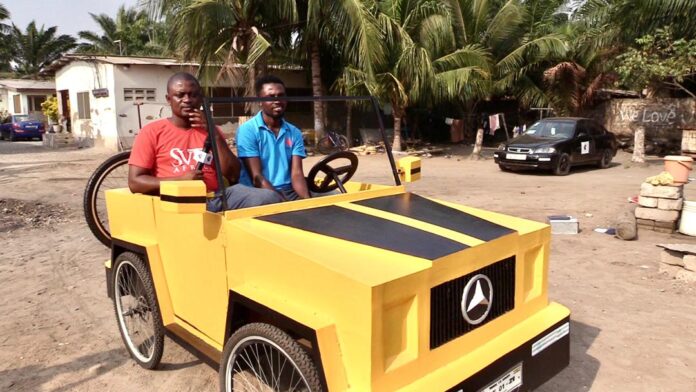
(228, 161)
(141, 180)
(253, 166)
(299, 182)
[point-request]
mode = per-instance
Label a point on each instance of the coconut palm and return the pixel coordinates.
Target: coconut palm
(421, 64)
(5, 52)
(35, 48)
(226, 32)
(346, 29)
(130, 33)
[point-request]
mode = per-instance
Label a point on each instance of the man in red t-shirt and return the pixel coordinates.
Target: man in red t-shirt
(170, 149)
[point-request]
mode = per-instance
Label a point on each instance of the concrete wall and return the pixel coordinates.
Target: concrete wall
(79, 77)
(663, 118)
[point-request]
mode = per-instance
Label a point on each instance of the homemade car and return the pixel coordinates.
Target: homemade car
(21, 126)
(557, 144)
(371, 289)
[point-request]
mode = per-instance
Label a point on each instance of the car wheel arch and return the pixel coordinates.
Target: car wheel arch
(242, 310)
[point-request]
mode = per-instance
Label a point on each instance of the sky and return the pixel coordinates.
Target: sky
(70, 16)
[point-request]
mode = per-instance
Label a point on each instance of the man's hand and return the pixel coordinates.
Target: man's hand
(197, 119)
(192, 175)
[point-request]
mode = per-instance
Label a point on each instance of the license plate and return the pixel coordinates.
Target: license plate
(509, 382)
(31, 127)
(517, 157)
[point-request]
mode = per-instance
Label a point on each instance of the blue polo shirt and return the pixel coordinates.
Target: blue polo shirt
(255, 139)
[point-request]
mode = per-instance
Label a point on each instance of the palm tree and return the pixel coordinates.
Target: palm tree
(5, 52)
(128, 34)
(225, 32)
(346, 28)
(35, 48)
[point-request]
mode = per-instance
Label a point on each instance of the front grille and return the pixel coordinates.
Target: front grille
(520, 150)
(446, 320)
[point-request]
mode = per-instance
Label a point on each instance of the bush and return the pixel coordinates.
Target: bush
(50, 108)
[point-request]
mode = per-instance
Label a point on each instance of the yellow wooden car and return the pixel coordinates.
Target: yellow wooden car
(374, 289)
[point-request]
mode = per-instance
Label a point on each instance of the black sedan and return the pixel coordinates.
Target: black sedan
(556, 144)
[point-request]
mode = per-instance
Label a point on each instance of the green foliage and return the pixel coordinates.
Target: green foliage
(35, 48)
(49, 107)
(658, 61)
(131, 33)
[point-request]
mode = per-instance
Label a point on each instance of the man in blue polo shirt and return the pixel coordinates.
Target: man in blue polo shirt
(271, 148)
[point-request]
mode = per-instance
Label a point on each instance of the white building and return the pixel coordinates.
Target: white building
(24, 96)
(106, 99)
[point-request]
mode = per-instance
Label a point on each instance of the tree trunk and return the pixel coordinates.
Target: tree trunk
(396, 146)
(317, 91)
(349, 123)
(478, 146)
(638, 144)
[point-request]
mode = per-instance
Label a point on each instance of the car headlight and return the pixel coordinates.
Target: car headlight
(545, 150)
(501, 147)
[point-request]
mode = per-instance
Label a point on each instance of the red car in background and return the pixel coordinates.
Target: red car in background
(21, 126)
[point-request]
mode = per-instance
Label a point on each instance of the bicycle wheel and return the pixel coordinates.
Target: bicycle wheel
(342, 142)
(325, 145)
(137, 312)
(111, 174)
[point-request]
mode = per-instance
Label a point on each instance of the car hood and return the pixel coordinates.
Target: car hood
(531, 141)
(381, 239)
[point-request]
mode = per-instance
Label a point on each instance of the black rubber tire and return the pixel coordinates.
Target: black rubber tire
(93, 192)
(343, 143)
(12, 137)
(127, 261)
(562, 165)
(605, 160)
(324, 146)
(262, 333)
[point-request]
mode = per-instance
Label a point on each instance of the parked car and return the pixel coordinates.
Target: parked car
(557, 144)
(21, 126)
(372, 288)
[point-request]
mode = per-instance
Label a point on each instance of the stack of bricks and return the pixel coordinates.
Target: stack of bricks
(659, 207)
(678, 261)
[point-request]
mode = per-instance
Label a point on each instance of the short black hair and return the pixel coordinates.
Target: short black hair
(182, 76)
(266, 79)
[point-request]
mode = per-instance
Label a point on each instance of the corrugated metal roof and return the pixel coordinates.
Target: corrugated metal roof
(27, 84)
(128, 60)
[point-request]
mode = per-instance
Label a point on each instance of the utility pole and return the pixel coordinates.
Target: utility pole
(120, 50)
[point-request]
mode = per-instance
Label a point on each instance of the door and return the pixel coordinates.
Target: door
(584, 147)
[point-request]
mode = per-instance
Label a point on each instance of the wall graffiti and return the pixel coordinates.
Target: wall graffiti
(662, 117)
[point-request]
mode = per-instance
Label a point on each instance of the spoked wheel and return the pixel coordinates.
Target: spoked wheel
(261, 357)
(137, 311)
(328, 146)
(111, 174)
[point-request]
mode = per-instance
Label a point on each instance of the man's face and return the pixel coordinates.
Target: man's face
(184, 96)
(273, 109)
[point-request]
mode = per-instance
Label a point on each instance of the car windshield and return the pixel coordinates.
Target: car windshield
(555, 129)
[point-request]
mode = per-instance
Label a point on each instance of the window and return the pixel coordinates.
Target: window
(17, 101)
(139, 94)
(35, 102)
(83, 111)
(222, 109)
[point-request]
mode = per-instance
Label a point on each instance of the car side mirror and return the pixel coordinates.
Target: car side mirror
(582, 134)
(409, 169)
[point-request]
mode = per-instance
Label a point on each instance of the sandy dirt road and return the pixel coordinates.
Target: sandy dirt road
(632, 330)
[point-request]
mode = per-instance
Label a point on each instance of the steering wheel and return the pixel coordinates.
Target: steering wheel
(335, 176)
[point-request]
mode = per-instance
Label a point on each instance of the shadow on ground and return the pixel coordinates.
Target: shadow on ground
(582, 371)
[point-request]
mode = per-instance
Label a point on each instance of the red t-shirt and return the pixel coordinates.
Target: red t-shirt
(170, 151)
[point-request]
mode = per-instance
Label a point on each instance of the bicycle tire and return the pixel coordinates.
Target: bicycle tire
(343, 143)
(325, 146)
(94, 203)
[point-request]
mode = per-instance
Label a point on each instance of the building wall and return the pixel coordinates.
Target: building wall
(663, 118)
(100, 126)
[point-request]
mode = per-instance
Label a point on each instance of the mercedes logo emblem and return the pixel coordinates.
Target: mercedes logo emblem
(477, 299)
